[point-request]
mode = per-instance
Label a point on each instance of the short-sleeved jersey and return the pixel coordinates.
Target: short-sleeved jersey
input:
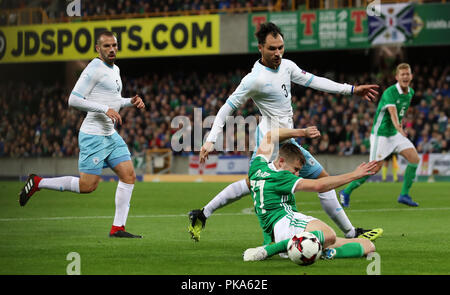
(270, 89)
(101, 83)
(393, 96)
(272, 192)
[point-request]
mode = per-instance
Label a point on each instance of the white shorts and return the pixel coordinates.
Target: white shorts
(381, 146)
(290, 225)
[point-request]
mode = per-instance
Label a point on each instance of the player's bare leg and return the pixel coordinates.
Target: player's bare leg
(413, 159)
(88, 182)
(127, 178)
(328, 233)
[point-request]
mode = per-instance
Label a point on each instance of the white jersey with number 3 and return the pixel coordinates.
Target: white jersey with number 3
(270, 89)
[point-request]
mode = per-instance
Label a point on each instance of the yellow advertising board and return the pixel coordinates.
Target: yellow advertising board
(140, 37)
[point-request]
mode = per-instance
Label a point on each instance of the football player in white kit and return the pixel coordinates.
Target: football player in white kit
(269, 86)
(98, 92)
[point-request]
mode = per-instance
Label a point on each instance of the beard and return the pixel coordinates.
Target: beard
(109, 59)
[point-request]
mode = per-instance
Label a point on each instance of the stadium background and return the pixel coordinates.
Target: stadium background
(38, 133)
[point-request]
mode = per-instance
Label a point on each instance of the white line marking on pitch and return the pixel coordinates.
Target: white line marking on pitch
(246, 211)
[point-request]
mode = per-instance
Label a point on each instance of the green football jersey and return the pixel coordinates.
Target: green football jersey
(382, 123)
(272, 193)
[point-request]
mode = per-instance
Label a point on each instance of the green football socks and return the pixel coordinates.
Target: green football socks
(350, 250)
(281, 247)
(276, 248)
(355, 184)
(410, 174)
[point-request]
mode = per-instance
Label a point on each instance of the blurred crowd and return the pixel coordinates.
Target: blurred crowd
(57, 8)
(37, 122)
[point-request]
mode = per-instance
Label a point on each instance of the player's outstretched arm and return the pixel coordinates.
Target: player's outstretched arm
(331, 182)
(368, 92)
(311, 132)
(217, 127)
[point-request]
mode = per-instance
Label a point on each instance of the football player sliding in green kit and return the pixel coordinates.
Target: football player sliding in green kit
(272, 188)
(388, 136)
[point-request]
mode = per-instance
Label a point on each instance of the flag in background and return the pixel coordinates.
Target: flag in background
(392, 24)
(209, 167)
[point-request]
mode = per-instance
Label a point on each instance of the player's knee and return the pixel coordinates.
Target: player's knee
(129, 177)
(415, 159)
(330, 237)
(368, 246)
(86, 188)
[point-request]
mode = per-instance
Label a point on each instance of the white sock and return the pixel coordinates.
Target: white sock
(123, 197)
(333, 208)
(65, 183)
(231, 193)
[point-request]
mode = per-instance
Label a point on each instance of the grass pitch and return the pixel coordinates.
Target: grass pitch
(37, 238)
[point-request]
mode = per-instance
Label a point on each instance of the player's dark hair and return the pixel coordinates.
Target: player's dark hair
(266, 29)
(291, 152)
(104, 33)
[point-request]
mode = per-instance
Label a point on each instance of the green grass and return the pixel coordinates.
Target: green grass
(36, 239)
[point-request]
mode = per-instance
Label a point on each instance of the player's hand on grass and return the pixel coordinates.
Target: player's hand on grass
(312, 132)
(205, 150)
(137, 102)
(368, 92)
(114, 116)
(365, 169)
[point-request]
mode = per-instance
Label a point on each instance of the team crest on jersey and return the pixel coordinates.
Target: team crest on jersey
(311, 162)
(118, 85)
(261, 174)
(95, 160)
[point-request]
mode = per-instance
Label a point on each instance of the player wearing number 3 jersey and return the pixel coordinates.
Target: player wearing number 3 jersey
(269, 86)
